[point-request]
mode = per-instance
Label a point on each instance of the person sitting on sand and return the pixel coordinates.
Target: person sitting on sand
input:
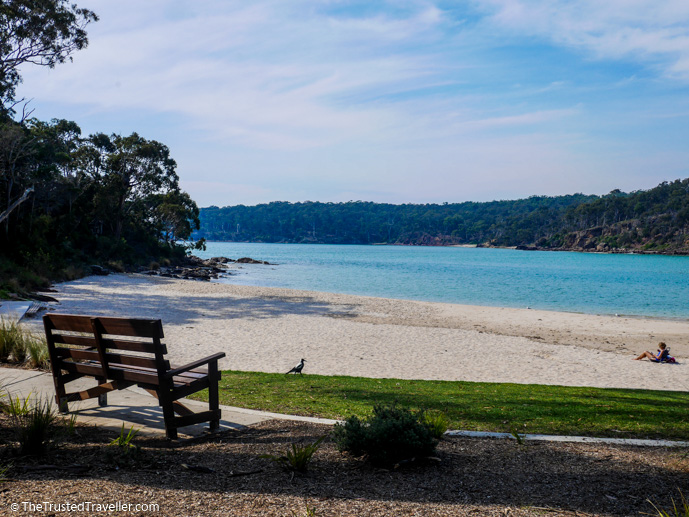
(658, 357)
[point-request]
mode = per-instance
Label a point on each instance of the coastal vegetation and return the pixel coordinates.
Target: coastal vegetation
(389, 436)
(655, 220)
(67, 200)
(20, 346)
(476, 406)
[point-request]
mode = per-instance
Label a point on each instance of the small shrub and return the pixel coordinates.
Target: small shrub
(436, 421)
(154, 266)
(391, 435)
(37, 429)
(297, 457)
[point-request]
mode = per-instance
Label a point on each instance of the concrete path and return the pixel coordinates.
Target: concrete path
(133, 406)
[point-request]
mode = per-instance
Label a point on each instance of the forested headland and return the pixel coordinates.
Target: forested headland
(652, 221)
(69, 200)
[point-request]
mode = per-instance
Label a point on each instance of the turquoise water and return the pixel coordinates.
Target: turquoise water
(642, 285)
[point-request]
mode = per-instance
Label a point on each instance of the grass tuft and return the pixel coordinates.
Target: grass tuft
(677, 511)
(297, 457)
(37, 429)
(4, 471)
(19, 345)
(436, 422)
(15, 406)
(125, 440)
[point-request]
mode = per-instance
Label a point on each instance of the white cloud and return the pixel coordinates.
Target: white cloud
(401, 103)
(654, 31)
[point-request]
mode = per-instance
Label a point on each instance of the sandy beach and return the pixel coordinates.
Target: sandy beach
(270, 329)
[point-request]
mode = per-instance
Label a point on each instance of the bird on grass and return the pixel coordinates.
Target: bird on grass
(298, 368)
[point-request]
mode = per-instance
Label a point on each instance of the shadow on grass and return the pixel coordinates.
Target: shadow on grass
(473, 406)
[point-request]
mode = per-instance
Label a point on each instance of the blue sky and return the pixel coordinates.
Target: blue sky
(402, 102)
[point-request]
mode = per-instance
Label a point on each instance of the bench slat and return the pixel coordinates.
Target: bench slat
(187, 377)
(132, 327)
(92, 355)
(118, 374)
(114, 344)
(70, 322)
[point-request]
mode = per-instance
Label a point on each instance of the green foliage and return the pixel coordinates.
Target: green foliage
(4, 471)
(122, 452)
(37, 429)
(660, 215)
(367, 223)
(518, 437)
(8, 338)
(677, 511)
(436, 421)
(104, 199)
(297, 457)
(43, 33)
(390, 435)
(308, 512)
(15, 406)
(19, 345)
(125, 440)
(37, 353)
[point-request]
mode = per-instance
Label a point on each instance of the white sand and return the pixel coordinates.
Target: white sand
(270, 329)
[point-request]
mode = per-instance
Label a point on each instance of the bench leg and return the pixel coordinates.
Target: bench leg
(62, 405)
(213, 398)
(60, 394)
(103, 398)
(166, 402)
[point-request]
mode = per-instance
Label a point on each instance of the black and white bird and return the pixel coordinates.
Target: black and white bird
(298, 368)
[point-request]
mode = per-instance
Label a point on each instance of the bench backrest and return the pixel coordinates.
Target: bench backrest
(106, 341)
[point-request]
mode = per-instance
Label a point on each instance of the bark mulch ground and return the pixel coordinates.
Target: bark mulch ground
(225, 475)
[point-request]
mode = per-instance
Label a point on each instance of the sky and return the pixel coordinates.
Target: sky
(407, 101)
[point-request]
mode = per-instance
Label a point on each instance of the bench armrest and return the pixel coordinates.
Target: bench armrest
(192, 365)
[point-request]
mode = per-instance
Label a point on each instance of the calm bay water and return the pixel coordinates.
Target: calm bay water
(643, 285)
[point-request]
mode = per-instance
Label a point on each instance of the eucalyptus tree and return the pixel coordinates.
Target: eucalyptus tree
(39, 32)
(128, 169)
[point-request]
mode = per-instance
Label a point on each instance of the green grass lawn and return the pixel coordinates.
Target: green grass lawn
(469, 405)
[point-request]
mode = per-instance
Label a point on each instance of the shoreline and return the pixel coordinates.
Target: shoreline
(411, 300)
(268, 329)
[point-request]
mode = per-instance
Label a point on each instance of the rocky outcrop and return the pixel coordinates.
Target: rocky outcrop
(247, 260)
(195, 268)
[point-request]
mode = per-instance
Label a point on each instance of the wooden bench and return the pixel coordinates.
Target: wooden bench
(122, 352)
